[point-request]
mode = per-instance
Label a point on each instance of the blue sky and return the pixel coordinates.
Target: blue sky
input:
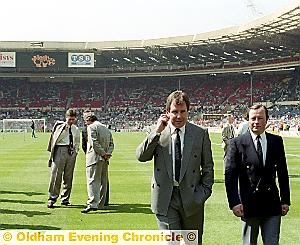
(99, 20)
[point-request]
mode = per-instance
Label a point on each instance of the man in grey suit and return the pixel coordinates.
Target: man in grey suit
(183, 167)
(63, 147)
(86, 115)
(100, 146)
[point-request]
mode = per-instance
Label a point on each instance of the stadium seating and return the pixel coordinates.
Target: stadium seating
(134, 103)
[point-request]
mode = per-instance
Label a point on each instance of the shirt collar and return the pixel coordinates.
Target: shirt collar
(262, 136)
(182, 129)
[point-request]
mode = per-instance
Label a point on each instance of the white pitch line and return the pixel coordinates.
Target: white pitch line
(293, 155)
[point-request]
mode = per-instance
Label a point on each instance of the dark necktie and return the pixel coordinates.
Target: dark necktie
(260, 152)
(232, 132)
(70, 137)
(177, 155)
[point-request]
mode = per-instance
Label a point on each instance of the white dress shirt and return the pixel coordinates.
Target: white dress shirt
(263, 141)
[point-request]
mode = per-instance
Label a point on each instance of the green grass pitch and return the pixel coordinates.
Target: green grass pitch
(24, 178)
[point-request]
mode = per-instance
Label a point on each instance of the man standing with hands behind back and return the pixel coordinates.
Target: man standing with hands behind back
(100, 146)
(183, 167)
(254, 160)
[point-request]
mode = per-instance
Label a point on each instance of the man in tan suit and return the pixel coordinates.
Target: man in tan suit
(183, 172)
(227, 133)
(99, 150)
(63, 147)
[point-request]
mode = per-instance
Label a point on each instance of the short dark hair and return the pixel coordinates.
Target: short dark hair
(71, 113)
(258, 106)
(92, 118)
(87, 113)
(179, 97)
(246, 114)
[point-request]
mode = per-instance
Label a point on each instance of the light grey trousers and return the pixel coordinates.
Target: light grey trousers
(97, 177)
(176, 219)
(62, 169)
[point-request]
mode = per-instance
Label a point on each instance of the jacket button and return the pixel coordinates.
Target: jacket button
(192, 186)
(157, 169)
(158, 185)
(195, 156)
(194, 170)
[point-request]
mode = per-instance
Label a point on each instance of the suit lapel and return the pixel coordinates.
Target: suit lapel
(269, 149)
(166, 143)
(251, 150)
(58, 131)
(187, 149)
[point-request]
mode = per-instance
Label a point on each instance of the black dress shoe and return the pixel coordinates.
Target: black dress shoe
(88, 209)
(50, 204)
(67, 203)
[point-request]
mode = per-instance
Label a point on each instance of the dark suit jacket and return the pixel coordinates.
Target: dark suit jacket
(253, 186)
(196, 175)
(84, 139)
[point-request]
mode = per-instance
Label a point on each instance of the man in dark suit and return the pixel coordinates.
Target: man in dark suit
(183, 167)
(253, 161)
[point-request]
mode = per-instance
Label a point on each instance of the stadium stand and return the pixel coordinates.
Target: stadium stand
(223, 70)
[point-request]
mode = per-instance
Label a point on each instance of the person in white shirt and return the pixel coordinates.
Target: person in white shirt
(63, 147)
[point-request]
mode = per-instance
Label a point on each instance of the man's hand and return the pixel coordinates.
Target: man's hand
(162, 122)
(106, 156)
(284, 209)
(238, 210)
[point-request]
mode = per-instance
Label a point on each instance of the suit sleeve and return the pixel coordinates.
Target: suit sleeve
(207, 165)
(232, 174)
(77, 141)
(225, 136)
(98, 148)
(84, 139)
(111, 144)
(145, 150)
(51, 136)
(282, 173)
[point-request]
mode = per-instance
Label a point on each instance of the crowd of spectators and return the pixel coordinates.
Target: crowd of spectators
(133, 103)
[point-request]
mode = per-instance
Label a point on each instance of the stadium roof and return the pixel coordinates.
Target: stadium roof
(272, 37)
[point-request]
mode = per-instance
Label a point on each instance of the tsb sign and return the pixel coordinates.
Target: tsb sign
(81, 60)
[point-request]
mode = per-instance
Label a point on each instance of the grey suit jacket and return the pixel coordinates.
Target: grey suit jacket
(100, 141)
(196, 175)
(57, 129)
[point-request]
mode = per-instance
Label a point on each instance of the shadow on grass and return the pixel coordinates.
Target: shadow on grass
(22, 193)
(129, 208)
(26, 213)
(20, 201)
(294, 176)
(218, 181)
(27, 227)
